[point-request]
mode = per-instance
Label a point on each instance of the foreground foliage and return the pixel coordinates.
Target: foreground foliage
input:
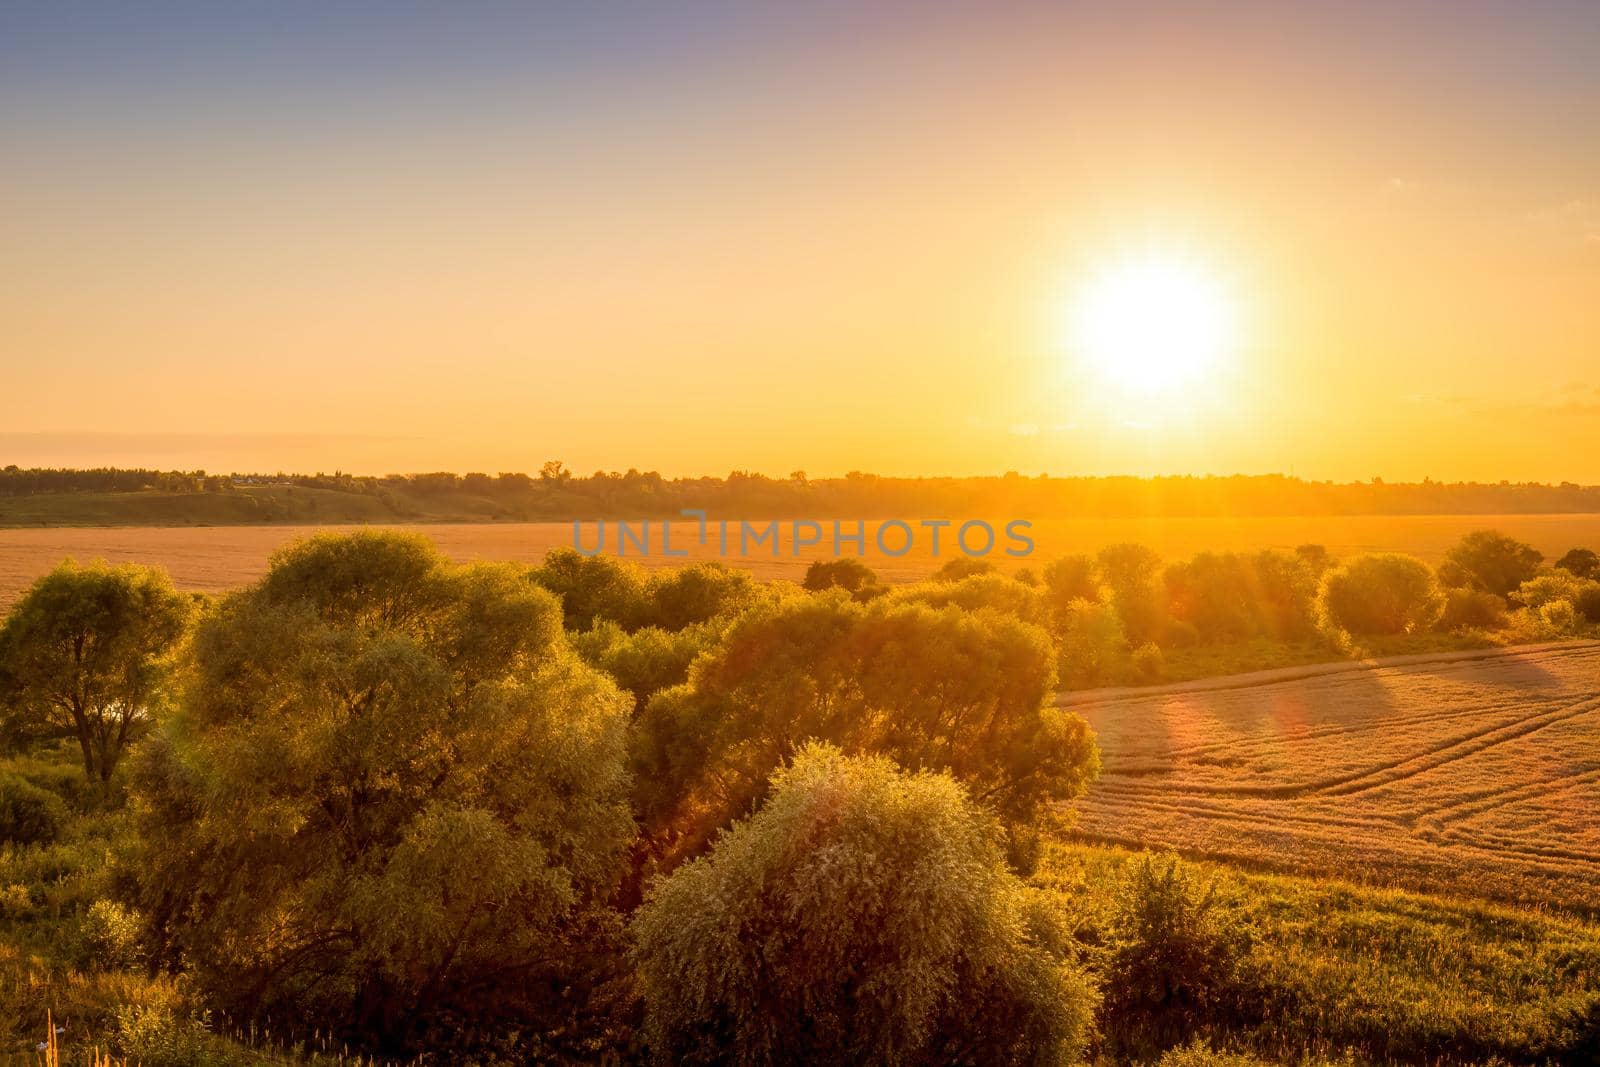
(391, 800)
(863, 915)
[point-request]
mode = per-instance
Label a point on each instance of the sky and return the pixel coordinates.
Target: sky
(828, 237)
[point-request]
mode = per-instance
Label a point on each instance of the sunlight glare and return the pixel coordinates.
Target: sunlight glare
(1154, 324)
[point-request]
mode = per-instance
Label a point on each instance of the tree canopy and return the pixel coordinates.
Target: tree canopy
(389, 788)
(89, 650)
(943, 689)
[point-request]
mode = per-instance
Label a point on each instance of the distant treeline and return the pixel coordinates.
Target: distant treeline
(554, 492)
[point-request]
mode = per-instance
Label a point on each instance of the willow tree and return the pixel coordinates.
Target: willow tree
(391, 799)
(861, 915)
(970, 693)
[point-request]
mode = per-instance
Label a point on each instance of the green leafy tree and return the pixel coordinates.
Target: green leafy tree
(1535, 593)
(970, 693)
(1069, 579)
(593, 587)
(862, 915)
(994, 592)
(1092, 643)
(1232, 596)
(647, 660)
(91, 650)
(391, 800)
(1130, 572)
(1491, 561)
(1381, 593)
(684, 596)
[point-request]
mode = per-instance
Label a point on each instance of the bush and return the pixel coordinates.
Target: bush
(159, 1036)
(1174, 957)
(1587, 601)
(1472, 609)
(1548, 588)
(1201, 1054)
(163, 1028)
(29, 815)
(1148, 662)
(861, 915)
(1558, 618)
(110, 937)
(62, 779)
(1092, 643)
(1314, 558)
(16, 901)
(1491, 561)
(1384, 593)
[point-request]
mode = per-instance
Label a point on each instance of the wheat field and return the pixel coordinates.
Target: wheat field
(218, 557)
(1475, 776)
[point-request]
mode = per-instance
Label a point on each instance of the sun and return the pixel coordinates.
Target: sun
(1154, 324)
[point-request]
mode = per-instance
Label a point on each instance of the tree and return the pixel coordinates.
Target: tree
(994, 592)
(969, 693)
(1129, 571)
(1068, 579)
(90, 650)
(593, 587)
(648, 659)
(1582, 562)
(1314, 558)
(683, 596)
(1092, 642)
(962, 567)
(1230, 596)
(1382, 593)
(845, 573)
(390, 792)
(1491, 561)
(862, 915)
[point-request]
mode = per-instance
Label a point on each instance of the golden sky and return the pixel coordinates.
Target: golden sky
(390, 238)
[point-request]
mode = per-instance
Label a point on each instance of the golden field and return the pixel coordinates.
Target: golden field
(218, 557)
(1476, 776)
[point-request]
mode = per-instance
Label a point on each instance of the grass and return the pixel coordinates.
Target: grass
(1261, 654)
(1387, 975)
